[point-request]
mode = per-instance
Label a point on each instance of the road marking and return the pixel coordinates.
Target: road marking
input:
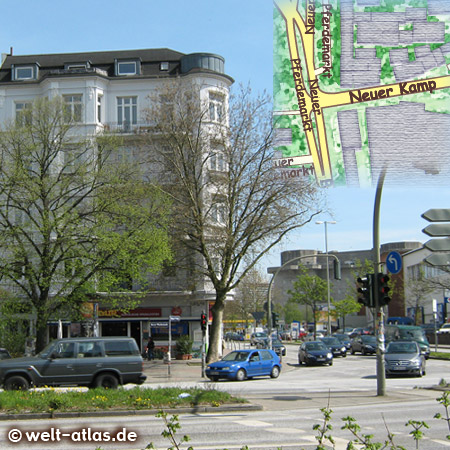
(254, 423)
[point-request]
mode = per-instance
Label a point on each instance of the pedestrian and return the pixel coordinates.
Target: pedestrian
(150, 349)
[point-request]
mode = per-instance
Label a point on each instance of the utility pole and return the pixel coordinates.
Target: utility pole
(379, 312)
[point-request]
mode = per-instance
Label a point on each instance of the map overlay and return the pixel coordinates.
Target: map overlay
(362, 86)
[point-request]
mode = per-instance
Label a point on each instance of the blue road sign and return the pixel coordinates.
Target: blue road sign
(394, 262)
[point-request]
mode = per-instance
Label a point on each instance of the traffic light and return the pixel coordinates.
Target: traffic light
(337, 269)
(275, 317)
(203, 321)
(364, 290)
(383, 289)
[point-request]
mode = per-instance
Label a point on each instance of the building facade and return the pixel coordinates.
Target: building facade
(109, 92)
(350, 261)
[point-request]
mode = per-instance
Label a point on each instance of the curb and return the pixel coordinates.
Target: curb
(140, 412)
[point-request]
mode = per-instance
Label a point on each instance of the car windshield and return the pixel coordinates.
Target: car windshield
(47, 350)
(316, 346)
(369, 339)
(417, 334)
(342, 337)
(401, 347)
(331, 341)
(277, 342)
(236, 356)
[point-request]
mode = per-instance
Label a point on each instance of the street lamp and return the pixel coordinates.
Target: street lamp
(325, 222)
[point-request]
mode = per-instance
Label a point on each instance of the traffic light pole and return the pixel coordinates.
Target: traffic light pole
(379, 313)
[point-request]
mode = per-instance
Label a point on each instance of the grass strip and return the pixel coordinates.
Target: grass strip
(50, 400)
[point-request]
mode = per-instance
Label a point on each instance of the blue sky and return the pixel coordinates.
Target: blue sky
(240, 31)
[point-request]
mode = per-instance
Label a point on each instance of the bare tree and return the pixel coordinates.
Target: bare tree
(418, 289)
(231, 206)
(250, 296)
(74, 219)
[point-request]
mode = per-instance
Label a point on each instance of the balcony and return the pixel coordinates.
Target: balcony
(128, 128)
(78, 71)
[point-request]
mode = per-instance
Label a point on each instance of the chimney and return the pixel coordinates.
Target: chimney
(10, 51)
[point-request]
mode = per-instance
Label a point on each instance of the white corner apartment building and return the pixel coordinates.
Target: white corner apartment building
(108, 91)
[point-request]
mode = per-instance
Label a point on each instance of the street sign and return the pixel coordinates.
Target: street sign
(438, 259)
(394, 262)
(174, 318)
(437, 215)
(438, 245)
(437, 229)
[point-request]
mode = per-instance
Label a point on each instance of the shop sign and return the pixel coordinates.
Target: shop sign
(132, 313)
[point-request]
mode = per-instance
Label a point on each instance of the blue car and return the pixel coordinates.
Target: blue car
(241, 364)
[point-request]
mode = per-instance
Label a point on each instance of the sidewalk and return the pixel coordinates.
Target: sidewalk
(158, 371)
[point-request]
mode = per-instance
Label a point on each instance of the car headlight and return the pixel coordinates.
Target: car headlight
(343, 349)
(329, 355)
(226, 368)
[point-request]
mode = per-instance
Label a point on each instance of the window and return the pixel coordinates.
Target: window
(73, 107)
(99, 108)
(216, 109)
(217, 161)
(218, 214)
(23, 113)
(119, 348)
(126, 111)
(24, 73)
(126, 68)
(164, 66)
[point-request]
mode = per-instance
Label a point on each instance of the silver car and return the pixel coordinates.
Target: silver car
(404, 358)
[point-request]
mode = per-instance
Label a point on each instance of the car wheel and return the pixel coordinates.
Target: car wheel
(363, 352)
(331, 362)
(275, 372)
(17, 383)
(241, 375)
(352, 351)
(344, 355)
(214, 378)
(106, 381)
(299, 361)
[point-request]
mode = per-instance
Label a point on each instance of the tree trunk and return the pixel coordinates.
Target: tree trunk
(215, 341)
(41, 331)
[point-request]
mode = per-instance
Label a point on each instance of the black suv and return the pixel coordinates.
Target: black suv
(94, 362)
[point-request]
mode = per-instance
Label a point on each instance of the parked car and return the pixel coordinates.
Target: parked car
(344, 338)
(404, 357)
(311, 337)
(278, 347)
(258, 337)
(241, 364)
(4, 354)
(445, 328)
(410, 333)
(94, 362)
(314, 352)
(365, 344)
(231, 336)
(335, 345)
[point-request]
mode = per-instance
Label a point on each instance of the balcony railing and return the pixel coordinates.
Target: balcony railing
(128, 128)
(78, 70)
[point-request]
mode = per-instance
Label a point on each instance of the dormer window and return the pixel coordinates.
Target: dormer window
(127, 68)
(24, 72)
